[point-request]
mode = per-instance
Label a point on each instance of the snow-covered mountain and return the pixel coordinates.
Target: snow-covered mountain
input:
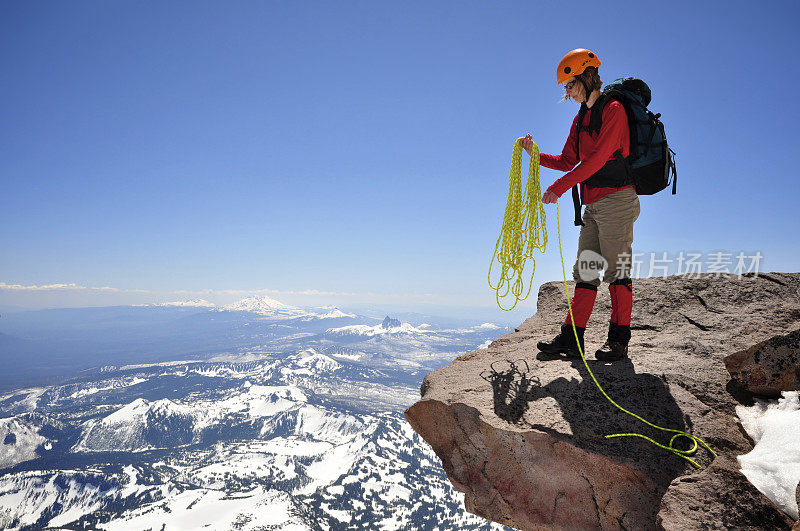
(313, 362)
(194, 303)
(265, 306)
(257, 304)
(335, 313)
(232, 445)
(268, 307)
(257, 415)
(69, 342)
(140, 425)
(20, 439)
(143, 425)
(388, 326)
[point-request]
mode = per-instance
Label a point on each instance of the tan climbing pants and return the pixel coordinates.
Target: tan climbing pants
(606, 238)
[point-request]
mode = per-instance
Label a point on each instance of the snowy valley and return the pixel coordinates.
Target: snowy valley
(294, 421)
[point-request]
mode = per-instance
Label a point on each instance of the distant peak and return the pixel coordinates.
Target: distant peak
(335, 313)
(262, 305)
(388, 322)
(262, 301)
(198, 303)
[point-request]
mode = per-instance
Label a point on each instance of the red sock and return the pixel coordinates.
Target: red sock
(622, 298)
(582, 304)
(612, 290)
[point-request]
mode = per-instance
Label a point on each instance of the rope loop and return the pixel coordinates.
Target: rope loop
(523, 230)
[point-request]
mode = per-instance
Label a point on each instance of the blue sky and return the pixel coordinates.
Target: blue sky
(358, 152)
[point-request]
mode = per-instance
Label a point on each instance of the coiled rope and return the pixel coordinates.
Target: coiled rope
(523, 230)
(516, 210)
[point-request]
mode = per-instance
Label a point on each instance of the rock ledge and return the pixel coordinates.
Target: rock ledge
(522, 436)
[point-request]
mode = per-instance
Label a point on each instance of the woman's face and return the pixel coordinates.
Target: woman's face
(574, 90)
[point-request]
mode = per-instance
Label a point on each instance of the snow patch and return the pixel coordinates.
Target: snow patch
(114, 384)
(22, 401)
(773, 466)
(215, 509)
(311, 359)
(19, 441)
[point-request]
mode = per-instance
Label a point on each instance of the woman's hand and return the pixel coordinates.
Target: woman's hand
(549, 197)
(527, 143)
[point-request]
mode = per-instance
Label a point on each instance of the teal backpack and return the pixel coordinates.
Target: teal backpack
(651, 161)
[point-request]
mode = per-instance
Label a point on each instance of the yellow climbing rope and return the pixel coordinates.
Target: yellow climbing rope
(678, 433)
(523, 230)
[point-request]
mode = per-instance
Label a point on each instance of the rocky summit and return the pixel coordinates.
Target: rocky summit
(523, 435)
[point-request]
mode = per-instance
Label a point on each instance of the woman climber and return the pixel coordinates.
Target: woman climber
(595, 161)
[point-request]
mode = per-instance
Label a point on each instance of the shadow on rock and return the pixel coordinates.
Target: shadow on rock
(591, 416)
(513, 388)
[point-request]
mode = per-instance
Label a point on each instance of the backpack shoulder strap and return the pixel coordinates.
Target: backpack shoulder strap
(576, 205)
(581, 114)
(576, 194)
(578, 129)
(627, 106)
(595, 122)
(596, 119)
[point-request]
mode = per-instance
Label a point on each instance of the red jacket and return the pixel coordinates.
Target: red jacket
(596, 150)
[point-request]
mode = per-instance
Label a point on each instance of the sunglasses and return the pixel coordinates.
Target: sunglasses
(571, 84)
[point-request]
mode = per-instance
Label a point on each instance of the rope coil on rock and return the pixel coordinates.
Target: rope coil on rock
(523, 230)
(684, 454)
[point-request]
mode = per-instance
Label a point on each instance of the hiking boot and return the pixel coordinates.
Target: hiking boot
(616, 346)
(564, 343)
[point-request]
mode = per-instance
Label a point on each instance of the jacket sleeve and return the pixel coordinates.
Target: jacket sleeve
(610, 139)
(569, 155)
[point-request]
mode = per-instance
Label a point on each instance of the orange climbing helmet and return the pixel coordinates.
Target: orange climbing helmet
(574, 63)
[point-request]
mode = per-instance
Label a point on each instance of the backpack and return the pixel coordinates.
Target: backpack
(650, 161)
